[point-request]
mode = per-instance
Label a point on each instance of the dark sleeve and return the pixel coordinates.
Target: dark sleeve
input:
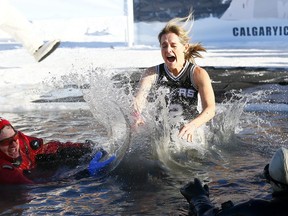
(74, 150)
(202, 206)
(55, 152)
(253, 207)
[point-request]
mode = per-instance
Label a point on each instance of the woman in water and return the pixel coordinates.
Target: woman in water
(183, 79)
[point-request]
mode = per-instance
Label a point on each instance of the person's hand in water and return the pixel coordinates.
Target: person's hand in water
(138, 120)
(97, 165)
(187, 132)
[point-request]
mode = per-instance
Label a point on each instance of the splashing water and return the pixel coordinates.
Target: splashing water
(232, 119)
(111, 105)
(232, 159)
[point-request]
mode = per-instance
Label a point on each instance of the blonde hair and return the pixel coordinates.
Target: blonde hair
(177, 27)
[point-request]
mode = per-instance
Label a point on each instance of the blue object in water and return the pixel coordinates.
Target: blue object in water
(96, 167)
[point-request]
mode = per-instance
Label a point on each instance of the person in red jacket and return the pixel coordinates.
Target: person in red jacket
(27, 160)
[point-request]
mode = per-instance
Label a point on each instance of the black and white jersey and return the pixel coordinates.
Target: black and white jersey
(181, 89)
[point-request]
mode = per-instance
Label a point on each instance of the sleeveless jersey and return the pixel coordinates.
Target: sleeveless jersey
(181, 89)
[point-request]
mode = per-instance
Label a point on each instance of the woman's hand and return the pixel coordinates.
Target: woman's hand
(187, 132)
(138, 119)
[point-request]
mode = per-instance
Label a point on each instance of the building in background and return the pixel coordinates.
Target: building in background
(219, 23)
(127, 23)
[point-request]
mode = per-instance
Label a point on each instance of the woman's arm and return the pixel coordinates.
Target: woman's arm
(145, 84)
(203, 82)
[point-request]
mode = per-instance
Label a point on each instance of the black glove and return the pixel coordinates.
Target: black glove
(194, 190)
(198, 198)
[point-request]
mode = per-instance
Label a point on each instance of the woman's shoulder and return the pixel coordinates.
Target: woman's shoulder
(200, 75)
(199, 71)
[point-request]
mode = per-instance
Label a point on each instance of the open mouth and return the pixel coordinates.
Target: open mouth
(171, 58)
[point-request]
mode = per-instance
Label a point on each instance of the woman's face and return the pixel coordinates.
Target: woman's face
(173, 51)
(9, 142)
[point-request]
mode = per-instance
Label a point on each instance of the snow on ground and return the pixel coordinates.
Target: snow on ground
(24, 80)
(89, 42)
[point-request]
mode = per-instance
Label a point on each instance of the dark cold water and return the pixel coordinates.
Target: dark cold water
(251, 123)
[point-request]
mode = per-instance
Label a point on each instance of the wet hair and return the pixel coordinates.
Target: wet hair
(177, 27)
